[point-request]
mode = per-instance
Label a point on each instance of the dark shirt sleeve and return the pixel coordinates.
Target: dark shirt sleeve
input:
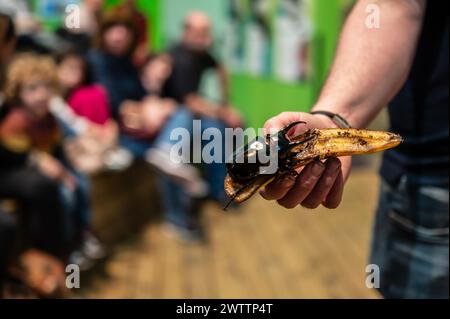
(187, 73)
(210, 62)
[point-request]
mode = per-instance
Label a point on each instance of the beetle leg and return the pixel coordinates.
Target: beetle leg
(287, 170)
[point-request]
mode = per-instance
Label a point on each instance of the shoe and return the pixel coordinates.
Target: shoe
(91, 247)
(117, 159)
(78, 258)
(187, 175)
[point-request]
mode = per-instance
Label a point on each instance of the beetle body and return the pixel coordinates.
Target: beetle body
(247, 173)
(247, 163)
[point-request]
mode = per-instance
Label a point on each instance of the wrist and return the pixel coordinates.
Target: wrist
(326, 121)
(336, 118)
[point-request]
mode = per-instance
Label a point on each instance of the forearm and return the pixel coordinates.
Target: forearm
(371, 65)
(200, 106)
(62, 111)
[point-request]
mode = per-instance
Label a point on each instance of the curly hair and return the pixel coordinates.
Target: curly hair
(29, 66)
(115, 17)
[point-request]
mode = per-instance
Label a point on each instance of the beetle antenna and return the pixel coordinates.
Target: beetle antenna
(229, 203)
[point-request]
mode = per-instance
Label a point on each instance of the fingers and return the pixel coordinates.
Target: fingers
(278, 188)
(334, 197)
(306, 181)
(279, 122)
(324, 186)
(318, 183)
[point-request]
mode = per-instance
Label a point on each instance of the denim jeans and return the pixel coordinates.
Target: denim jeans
(180, 208)
(411, 240)
(77, 208)
(76, 203)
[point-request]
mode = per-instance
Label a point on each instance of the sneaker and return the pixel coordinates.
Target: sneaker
(91, 247)
(187, 175)
(78, 258)
(117, 159)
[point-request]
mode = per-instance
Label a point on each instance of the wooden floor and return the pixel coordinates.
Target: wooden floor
(263, 251)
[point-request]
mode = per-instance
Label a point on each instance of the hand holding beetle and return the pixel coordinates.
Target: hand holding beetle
(317, 183)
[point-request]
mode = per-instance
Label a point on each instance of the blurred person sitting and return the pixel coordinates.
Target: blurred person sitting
(151, 114)
(111, 61)
(85, 113)
(112, 66)
(191, 59)
(27, 175)
(180, 184)
(24, 274)
(86, 98)
(30, 128)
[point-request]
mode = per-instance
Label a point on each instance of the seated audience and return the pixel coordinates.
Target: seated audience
(28, 173)
(30, 128)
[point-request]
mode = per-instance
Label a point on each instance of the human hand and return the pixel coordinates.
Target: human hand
(53, 169)
(318, 182)
(50, 167)
(230, 116)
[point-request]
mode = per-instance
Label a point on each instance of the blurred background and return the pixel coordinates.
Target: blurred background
(275, 54)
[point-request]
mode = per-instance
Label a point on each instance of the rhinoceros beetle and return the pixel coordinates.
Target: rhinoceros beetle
(245, 165)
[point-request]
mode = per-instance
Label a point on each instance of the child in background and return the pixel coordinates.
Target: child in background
(85, 113)
(87, 99)
(146, 118)
(29, 127)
